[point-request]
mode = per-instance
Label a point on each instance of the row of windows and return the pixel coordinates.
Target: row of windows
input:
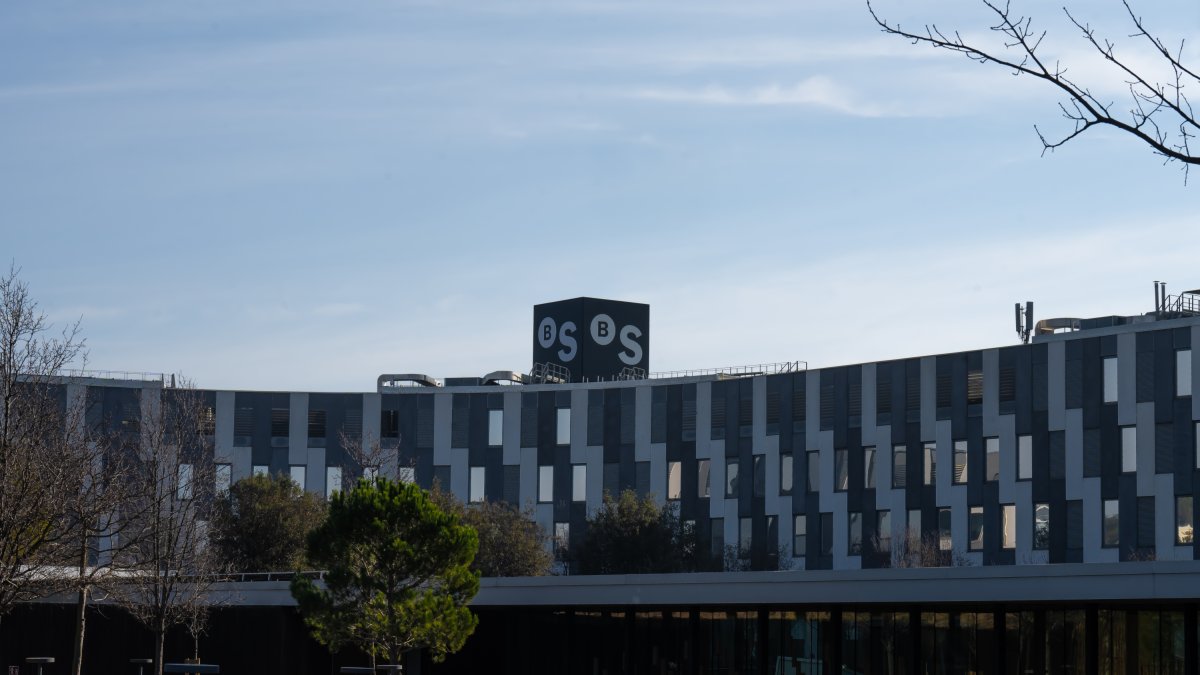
(223, 478)
(881, 541)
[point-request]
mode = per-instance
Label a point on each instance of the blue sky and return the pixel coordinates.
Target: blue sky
(303, 195)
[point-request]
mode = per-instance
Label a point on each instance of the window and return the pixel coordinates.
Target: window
(799, 535)
(731, 479)
(316, 424)
(333, 480)
(814, 470)
(183, 486)
(960, 462)
(405, 474)
(223, 478)
(545, 484)
(243, 426)
(914, 525)
(930, 464)
(745, 532)
(841, 472)
(1074, 525)
(389, 424)
(883, 531)
(370, 472)
(826, 534)
(495, 427)
(1128, 449)
(674, 480)
(785, 474)
(1008, 526)
(974, 386)
(1183, 519)
(704, 487)
(869, 468)
(1112, 523)
(899, 466)
(562, 433)
(760, 476)
(991, 469)
(562, 539)
(975, 529)
(279, 422)
(578, 482)
(260, 470)
(1110, 380)
(298, 472)
(1183, 372)
(717, 539)
(1041, 527)
(1024, 457)
(475, 490)
(855, 542)
(945, 540)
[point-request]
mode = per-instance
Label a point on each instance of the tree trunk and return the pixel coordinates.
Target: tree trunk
(160, 637)
(80, 629)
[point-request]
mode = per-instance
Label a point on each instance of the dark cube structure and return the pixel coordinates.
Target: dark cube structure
(594, 339)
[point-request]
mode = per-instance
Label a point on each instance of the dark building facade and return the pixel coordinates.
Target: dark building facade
(1012, 510)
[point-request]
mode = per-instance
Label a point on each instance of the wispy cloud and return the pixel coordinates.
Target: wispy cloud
(817, 91)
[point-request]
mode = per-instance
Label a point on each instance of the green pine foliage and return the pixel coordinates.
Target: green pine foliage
(263, 524)
(631, 535)
(398, 573)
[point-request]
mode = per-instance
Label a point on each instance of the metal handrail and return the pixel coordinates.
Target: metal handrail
(736, 371)
(131, 375)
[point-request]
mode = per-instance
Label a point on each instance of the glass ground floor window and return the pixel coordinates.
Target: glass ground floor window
(999, 639)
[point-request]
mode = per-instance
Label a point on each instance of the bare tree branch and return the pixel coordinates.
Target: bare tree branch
(1161, 116)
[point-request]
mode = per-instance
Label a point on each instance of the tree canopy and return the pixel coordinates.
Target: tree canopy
(632, 535)
(263, 523)
(398, 573)
(511, 543)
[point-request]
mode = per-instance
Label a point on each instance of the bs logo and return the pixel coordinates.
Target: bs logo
(602, 331)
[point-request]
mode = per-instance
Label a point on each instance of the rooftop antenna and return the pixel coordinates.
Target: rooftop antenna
(1024, 320)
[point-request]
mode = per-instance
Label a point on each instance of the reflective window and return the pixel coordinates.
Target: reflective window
(674, 480)
(760, 475)
(883, 531)
(260, 470)
(545, 484)
(1128, 449)
(475, 491)
(960, 462)
(1024, 457)
(404, 474)
(945, 541)
(785, 474)
(930, 463)
(914, 525)
(1183, 519)
(370, 472)
(899, 466)
(855, 528)
(799, 535)
(1041, 526)
(333, 480)
(1008, 526)
(1183, 372)
(745, 530)
(731, 479)
(1112, 523)
(975, 529)
(704, 487)
(495, 427)
(869, 468)
(183, 483)
(991, 469)
(841, 470)
(1110, 380)
(579, 482)
(223, 478)
(562, 538)
(562, 434)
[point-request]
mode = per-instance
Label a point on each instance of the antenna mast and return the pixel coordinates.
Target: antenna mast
(1024, 321)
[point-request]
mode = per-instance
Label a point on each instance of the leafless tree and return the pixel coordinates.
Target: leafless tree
(917, 551)
(170, 569)
(37, 452)
(1158, 112)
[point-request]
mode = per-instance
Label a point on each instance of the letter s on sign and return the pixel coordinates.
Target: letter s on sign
(634, 355)
(568, 340)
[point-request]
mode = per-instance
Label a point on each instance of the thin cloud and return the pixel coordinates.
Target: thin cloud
(817, 91)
